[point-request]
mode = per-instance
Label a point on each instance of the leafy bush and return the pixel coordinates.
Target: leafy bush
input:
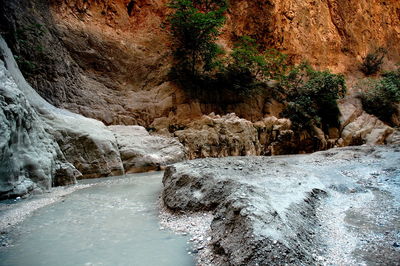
(245, 57)
(373, 61)
(381, 96)
(195, 26)
(311, 97)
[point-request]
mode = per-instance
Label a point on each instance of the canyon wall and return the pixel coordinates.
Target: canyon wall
(43, 146)
(110, 59)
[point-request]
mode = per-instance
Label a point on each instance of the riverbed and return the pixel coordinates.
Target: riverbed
(114, 221)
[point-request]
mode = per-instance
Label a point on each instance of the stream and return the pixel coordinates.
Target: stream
(114, 222)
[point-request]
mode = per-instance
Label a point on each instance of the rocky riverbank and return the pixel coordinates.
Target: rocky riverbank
(335, 207)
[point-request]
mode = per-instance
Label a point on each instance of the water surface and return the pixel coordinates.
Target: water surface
(113, 222)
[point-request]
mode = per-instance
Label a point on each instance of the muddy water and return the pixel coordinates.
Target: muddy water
(114, 222)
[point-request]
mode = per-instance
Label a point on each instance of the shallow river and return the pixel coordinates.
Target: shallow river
(113, 222)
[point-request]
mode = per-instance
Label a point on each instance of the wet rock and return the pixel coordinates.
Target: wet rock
(41, 142)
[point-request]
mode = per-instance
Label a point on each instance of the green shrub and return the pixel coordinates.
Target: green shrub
(240, 74)
(311, 97)
(195, 26)
(380, 97)
(373, 61)
(245, 57)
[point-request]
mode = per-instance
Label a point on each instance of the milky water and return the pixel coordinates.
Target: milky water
(113, 222)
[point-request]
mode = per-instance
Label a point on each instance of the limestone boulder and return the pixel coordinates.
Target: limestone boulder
(358, 127)
(219, 136)
(142, 152)
(87, 144)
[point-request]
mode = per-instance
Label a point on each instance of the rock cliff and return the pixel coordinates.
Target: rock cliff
(109, 60)
(24, 143)
(43, 146)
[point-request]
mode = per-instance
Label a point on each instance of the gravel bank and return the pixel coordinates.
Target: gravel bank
(195, 224)
(338, 207)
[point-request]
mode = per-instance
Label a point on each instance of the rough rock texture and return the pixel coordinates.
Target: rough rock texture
(333, 33)
(214, 136)
(109, 60)
(141, 152)
(358, 127)
(43, 145)
(335, 207)
(28, 153)
(219, 136)
(88, 145)
(85, 142)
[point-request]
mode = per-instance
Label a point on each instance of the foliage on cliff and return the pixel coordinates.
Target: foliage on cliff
(203, 68)
(381, 97)
(373, 61)
(195, 26)
(212, 75)
(311, 97)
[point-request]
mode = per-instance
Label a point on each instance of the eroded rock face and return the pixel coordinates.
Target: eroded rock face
(91, 148)
(229, 135)
(109, 60)
(358, 127)
(333, 34)
(219, 136)
(213, 136)
(295, 209)
(43, 145)
(141, 152)
(28, 153)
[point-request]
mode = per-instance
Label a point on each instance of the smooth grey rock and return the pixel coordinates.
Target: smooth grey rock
(85, 143)
(142, 152)
(27, 152)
